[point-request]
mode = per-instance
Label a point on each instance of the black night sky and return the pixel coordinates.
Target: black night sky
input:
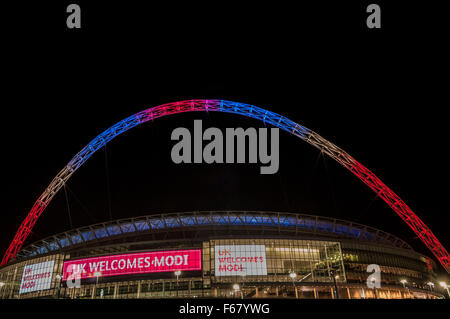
(379, 95)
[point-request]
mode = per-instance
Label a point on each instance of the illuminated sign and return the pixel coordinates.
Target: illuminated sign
(240, 260)
(137, 263)
(37, 277)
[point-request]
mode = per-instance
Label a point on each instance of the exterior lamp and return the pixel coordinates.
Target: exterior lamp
(332, 273)
(177, 273)
(59, 285)
(293, 275)
(236, 288)
(403, 281)
(97, 274)
(2, 284)
(444, 285)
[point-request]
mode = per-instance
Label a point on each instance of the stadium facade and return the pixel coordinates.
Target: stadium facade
(219, 254)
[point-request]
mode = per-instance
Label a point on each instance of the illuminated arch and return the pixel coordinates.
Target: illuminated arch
(408, 216)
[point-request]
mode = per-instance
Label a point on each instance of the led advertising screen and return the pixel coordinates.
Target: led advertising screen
(135, 263)
(37, 277)
(240, 260)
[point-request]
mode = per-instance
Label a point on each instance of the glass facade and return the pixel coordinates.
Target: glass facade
(11, 278)
(248, 267)
(395, 264)
(310, 261)
(243, 253)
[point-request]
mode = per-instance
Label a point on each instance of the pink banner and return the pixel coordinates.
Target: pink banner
(137, 263)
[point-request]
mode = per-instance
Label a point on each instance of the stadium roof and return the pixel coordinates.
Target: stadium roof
(283, 222)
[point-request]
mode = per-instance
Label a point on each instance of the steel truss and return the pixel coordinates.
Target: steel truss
(343, 158)
(181, 223)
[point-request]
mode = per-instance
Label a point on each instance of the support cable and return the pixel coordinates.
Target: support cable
(84, 208)
(330, 183)
(68, 207)
(108, 190)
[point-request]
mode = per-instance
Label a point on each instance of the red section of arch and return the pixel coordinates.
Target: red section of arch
(408, 216)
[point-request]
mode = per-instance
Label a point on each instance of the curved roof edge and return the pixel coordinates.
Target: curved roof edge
(300, 223)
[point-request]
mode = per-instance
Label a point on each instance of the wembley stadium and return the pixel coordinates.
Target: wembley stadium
(220, 254)
(223, 254)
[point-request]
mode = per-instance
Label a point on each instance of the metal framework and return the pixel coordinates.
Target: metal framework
(282, 223)
(343, 158)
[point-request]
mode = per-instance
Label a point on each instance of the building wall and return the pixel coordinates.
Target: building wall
(395, 264)
(314, 262)
(11, 277)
